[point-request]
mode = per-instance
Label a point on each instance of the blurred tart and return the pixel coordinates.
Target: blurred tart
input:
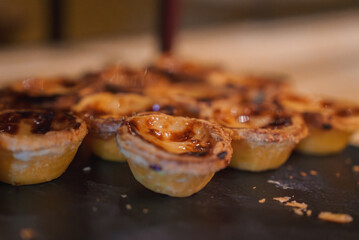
(104, 114)
(262, 137)
(330, 122)
(120, 79)
(176, 156)
(180, 71)
(37, 145)
(45, 87)
(52, 93)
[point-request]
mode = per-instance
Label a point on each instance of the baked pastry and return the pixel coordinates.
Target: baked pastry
(37, 146)
(171, 155)
(330, 122)
(104, 113)
(262, 136)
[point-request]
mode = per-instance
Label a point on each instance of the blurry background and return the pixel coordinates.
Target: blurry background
(39, 21)
(313, 42)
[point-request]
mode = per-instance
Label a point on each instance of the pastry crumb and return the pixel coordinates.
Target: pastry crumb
(313, 172)
(87, 169)
(27, 234)
(290, 177)
(297, 204)
(298, 211)
(303, 174)
(335, 217)
(254, 187)
(128, 207)
(337, 174)
(145, 210)
(309, 213)
(263, 200)
(282, 199)
(278, 184)
(356, 168)
(124, 195)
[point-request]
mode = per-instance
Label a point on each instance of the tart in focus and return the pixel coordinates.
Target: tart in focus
(37, 146)
(330, 122)
(104, 113)
(171, 155)
(262, 137)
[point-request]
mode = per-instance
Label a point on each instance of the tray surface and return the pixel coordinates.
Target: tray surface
(108, 203)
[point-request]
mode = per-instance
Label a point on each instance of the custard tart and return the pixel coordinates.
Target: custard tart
(262, 137)
(330, 122)
(104, 113)
(172, 155)
(37, 146)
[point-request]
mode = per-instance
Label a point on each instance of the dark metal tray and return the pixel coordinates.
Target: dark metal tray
(108, 203)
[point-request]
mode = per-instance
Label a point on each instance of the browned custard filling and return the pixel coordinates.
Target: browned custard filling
(174, 135)
(36, 122)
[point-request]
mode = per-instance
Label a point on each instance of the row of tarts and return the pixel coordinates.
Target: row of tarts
(175, 122)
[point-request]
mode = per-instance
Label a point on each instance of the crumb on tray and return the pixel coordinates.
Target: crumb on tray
(282, 199)
(313, 172)
(297, 204)
(335, 217)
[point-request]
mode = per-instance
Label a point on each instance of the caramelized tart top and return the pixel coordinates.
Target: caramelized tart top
(24, 122)
(176, 135)
(31, 129)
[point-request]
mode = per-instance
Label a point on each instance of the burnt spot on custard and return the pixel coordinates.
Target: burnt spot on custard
(279, 122)
(40, 121)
